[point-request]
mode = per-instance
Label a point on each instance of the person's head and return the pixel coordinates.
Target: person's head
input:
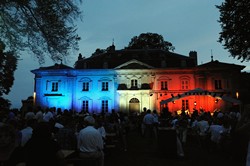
(89, 120)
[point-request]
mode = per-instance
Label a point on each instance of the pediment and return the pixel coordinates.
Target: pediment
(134, 64)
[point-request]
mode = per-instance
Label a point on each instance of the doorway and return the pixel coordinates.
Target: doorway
(134, 105)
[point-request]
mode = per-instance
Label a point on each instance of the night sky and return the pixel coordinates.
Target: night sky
(190, 25)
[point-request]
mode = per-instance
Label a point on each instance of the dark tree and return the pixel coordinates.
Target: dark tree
(235, 24)
(46, 27)
(8, 64)
(150, 41)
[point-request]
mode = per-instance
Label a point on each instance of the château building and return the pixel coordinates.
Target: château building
(130, 79)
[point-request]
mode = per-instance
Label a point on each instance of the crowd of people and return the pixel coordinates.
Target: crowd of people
(40, 137)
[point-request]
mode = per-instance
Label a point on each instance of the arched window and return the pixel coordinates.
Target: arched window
(134, 100)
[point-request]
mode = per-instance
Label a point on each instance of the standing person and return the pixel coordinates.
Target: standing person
(148, 121)
(156, 123)
(141, 124)
(48, 115)
(182, 127)
(90, 142)
(243, 127)
(26, 133)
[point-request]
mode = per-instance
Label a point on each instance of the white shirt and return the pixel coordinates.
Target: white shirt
(90, 140)
(203, 127)
(39, 116)
(29, 115)
(26, 135)
(216, 131)
(102, 131)
(47, 116)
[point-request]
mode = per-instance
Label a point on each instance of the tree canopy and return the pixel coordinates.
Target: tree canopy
(150, 41)
(8, 65)
(235, 23)
(45, 27)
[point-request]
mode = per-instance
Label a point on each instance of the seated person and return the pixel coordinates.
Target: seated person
(90, 142)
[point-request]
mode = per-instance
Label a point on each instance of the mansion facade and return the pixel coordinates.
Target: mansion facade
(130, 79)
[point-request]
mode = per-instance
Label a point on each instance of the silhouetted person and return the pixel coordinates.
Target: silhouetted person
(41, 149)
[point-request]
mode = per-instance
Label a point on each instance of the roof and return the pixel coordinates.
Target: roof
(154, 58)
(56, 66)
(216, 64)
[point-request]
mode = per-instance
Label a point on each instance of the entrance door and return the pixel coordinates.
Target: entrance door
(134, 105)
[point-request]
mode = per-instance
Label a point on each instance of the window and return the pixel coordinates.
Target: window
(105, 86)
(164, 85)
(104, 105)
(185, 104)
(134, 83)
(217, 84)
(85, 86)
(184, 84)
(85, 105)
(54, 87)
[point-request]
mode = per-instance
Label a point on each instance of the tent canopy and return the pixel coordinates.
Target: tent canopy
(199, 91)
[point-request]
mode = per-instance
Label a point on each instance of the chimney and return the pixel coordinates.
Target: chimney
(193, 55)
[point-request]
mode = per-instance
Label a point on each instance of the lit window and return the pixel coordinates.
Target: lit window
(104, 105)
(85, 105)
(54, 87)
(105, 86)
(184, 84)
(164, 85)
(85, 86)
(217, 84)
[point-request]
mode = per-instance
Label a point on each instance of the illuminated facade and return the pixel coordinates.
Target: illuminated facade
(129, 80)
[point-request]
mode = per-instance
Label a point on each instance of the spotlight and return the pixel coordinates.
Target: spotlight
(195, 103)
(216, 101)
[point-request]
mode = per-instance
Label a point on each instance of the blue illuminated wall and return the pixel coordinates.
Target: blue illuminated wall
(64, 88)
